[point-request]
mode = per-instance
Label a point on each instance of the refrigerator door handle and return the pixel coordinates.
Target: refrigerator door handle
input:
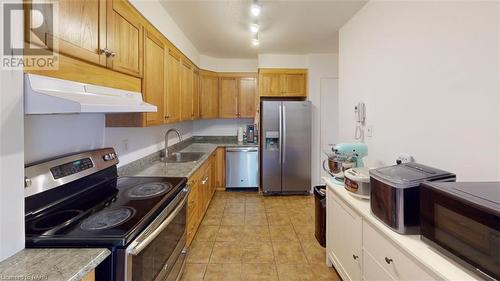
(283, 130)
(280, 119)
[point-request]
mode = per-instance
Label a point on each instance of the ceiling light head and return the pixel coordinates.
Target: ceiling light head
(255, 42)
(254, 27)
(255, 9)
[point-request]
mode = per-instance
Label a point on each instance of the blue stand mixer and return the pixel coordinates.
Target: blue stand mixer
(345, 156)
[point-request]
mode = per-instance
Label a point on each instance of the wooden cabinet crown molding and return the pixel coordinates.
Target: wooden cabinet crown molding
(283, 70)
(238, 74)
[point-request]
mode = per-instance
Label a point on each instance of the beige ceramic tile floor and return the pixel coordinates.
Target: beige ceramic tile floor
(246, 236)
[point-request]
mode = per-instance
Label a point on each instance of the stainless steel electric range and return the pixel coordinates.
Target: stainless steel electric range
(79, 201)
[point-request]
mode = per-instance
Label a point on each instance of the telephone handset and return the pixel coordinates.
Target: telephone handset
(360, 111)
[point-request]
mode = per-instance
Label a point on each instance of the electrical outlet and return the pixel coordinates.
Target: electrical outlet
(405, 158)
(369, 131)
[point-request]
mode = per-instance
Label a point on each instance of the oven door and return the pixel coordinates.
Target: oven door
(469, 235)
(158, 253)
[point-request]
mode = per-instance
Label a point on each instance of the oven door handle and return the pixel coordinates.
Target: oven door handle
(137, 246)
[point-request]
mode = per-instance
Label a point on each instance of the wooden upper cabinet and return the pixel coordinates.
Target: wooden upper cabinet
(81, 29)
(196, 94)
(270, 84)
(124, 38)
(228, 97)
(209, 95)
(186, 90)
(173, 86)
(154, 83)
(283, 82)
(247, 97)
(294, 85)
(237, 95)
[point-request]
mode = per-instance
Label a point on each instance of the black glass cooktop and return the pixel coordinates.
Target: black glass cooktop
(110, 213)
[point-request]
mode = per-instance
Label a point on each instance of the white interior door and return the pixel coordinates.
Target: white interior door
(328, 117)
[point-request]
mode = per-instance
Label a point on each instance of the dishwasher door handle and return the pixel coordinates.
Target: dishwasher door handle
(246, 149)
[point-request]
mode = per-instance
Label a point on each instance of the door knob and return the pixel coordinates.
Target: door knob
(388, 260)
(355, 257)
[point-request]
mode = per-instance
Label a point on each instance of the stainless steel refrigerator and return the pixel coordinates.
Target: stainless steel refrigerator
(285, 147)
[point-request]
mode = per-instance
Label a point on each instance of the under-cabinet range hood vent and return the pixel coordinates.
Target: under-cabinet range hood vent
(46, 95)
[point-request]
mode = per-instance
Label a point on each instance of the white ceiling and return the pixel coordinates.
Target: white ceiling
(221, 28)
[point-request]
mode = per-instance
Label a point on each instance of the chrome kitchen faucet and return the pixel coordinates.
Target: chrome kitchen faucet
(166, 152)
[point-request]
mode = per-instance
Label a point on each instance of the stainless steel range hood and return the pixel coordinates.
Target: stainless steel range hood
(46, 95)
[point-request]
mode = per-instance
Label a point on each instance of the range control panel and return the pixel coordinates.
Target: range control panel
(71, 168)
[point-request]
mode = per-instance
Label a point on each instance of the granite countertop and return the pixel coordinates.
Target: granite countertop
(150, 166)
(52, 264)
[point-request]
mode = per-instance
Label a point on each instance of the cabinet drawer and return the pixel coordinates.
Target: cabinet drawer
(392, 260)
(372, 271)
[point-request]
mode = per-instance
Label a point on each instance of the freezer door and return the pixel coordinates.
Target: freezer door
(271, 146)
(296, 151)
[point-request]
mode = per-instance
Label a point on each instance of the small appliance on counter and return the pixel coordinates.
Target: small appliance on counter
(345, 156)
(462, 220)
(250, 134)
(395, 193)
(240, 135)
(357, 182)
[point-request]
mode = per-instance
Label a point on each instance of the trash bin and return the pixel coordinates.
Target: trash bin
(320, 214)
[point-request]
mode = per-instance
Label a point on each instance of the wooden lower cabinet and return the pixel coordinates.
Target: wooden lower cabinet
(220, 171)
(202, 190)
(90, 276)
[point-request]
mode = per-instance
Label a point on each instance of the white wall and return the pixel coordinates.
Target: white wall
(282, 61)
(219, 127)
(228, 65)
(11, 155)
(429, 74)
(49, 136)
(159, 17)
(320, 66)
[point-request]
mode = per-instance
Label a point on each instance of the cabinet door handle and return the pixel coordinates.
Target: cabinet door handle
(204, 181)
(355, 257)
(104, 51)
(388, 260)
(107, 52)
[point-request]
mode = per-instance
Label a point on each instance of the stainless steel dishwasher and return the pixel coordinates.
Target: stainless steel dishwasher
(242, 167)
